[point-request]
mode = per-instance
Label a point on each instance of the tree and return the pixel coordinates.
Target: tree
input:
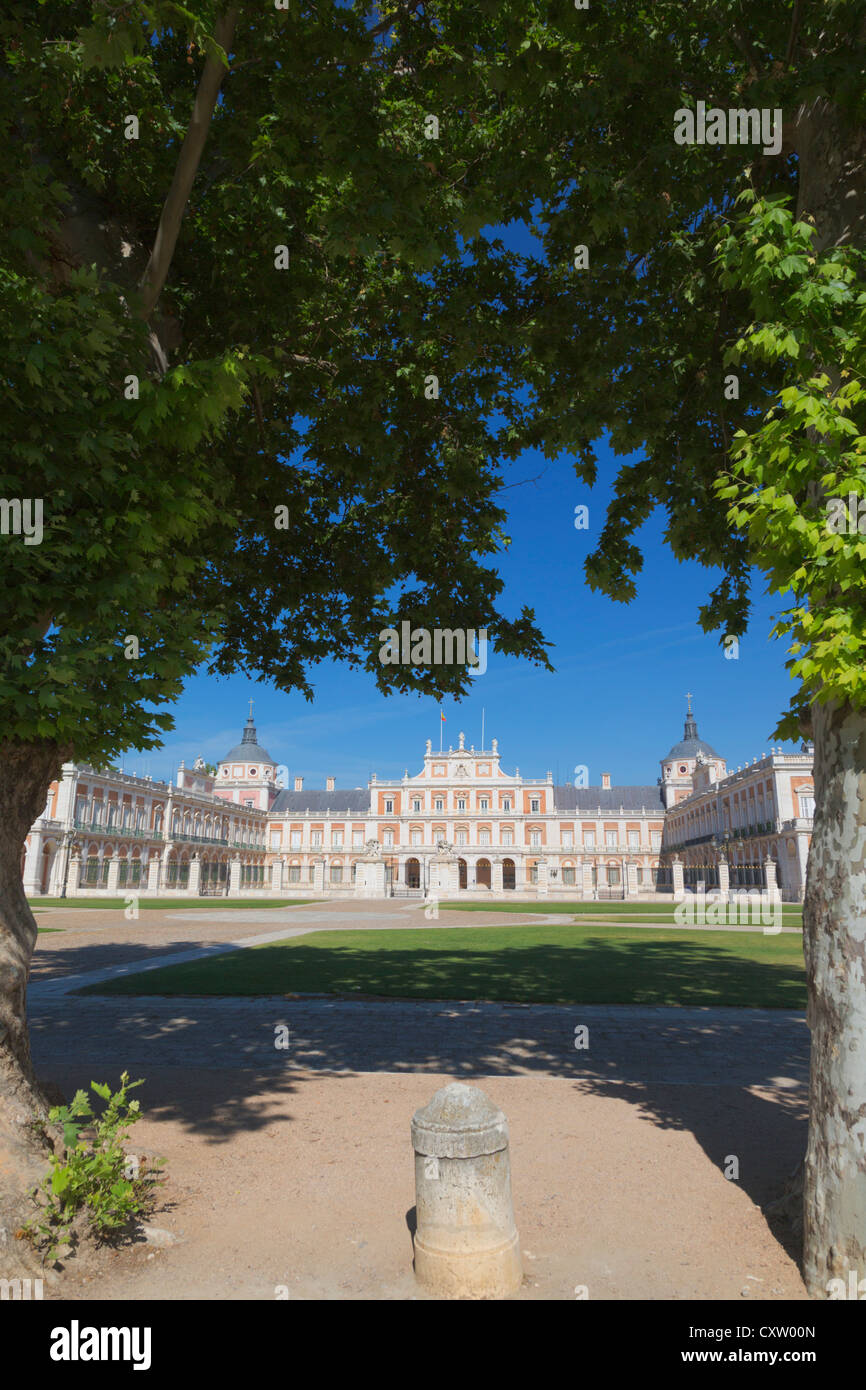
(718, 332)
(257, 385)
(664, 268)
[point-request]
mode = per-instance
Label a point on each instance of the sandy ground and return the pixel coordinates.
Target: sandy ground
(295, 1168)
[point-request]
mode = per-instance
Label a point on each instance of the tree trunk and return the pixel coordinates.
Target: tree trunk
(832, 190)
(834, 930)
(26, 770)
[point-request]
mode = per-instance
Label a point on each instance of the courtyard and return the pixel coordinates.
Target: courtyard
(292, 1167)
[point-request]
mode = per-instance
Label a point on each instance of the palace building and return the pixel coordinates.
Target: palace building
(462, 824)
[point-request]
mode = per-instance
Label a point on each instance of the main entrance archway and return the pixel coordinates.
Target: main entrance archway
(461, 868)
(482, 873)
(509, 875)
(413, 873)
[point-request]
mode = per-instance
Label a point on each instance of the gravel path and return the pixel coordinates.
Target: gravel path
(292, 1166)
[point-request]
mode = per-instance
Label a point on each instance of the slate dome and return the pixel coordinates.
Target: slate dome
(249, 749)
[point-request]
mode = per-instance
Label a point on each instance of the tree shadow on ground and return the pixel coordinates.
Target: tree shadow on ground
(683, 971)
(50, 964)
(764, 1129)
(212, 1065)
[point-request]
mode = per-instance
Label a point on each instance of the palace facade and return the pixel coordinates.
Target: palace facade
(462, 824)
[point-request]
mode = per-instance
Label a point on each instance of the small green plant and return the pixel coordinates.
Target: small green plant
(95, 1178)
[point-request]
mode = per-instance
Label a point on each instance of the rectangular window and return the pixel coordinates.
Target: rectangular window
(533, 873)
(336, 873)
(276, 839)
(612, 876)
(357, 839)
(484, 837)
(389, 808)
(568, 839)
(416, 805)
(589, 840)
(656, 839)
(534, 804)
(461, 837)
(568, 876)
(296, 839)
(416, 837)
(388, 839)
(294, 873)
(610, 839)
(483, 803)
(506, 805)
(634, 839)
(337, 839)
(461, 803)
(317, 839)
(440, 804)
(508, 837)
(535, 839)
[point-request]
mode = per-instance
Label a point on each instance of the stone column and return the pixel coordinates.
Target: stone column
(319, 875)
(113, 873)
(444, 881)
(74, 879)
(195, 876)
(360, 889)
(631, 880)
(33, 865)
(466, 1242)
(587, 878)
(55, 872)
(802, 859)
(542, 887)
(235, 876)
(277, 876)
(679, 885)
(724, 879)
(770, 880)
(153, 867)
(496, 874)
(376, 879)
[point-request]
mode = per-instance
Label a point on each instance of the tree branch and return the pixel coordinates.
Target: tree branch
(187, 166)
(795, 29)
(745, 48)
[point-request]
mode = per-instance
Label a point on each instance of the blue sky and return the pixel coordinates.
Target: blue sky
(616, 701)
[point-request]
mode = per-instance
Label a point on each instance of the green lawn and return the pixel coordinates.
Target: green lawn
(663, 913)
(168, 904)
(573, 963)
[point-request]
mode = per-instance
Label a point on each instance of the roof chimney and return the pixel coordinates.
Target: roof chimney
(605, 780)
(299, 784)
(329, 785)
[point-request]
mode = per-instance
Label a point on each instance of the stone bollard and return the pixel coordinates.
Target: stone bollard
(466, 1242)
